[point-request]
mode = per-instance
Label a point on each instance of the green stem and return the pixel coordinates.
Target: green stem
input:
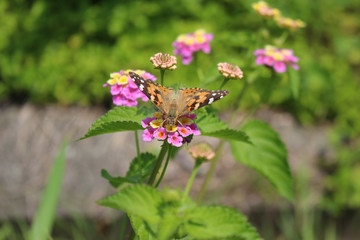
(162, 73)
(198, 70)
(211, 171)
(224, 82)
(158, 163)
(123, 226)
(137, 143)
(192, 177)
(165, 167)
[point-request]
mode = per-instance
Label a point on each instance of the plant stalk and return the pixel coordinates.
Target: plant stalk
(192, 177)
(158, 163)
(165, 167)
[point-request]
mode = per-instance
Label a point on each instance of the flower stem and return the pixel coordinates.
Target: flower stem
(137, 143)
(162, 73)
(198, 70)
(192, 177)
(223, 83)
(123, 226)
(164, 169)
(211, 171)
(158, 163)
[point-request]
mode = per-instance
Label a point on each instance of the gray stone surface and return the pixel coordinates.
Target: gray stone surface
(30, 138)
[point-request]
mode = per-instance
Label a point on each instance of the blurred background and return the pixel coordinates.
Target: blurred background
(55, 57)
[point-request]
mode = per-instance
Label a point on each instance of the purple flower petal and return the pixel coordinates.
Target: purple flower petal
(280, 67)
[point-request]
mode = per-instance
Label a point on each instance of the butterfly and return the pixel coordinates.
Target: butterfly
(174, 105)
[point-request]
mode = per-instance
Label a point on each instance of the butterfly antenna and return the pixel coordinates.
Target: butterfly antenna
(180, 123)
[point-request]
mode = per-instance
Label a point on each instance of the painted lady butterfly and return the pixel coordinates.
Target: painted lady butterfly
(176, 105)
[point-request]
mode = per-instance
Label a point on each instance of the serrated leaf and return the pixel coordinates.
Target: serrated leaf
(209, 122)
(114, 181)
(294, 82)
(138, 200)
(139, 170)
(144, 231)
(117, 120)
(228, 134)
(219, 222)
(168, 225)
(268, 156)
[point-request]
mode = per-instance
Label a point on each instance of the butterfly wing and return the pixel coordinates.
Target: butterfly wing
(159, 95)
(191, 99)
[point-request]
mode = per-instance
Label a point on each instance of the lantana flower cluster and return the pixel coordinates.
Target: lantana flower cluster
(289, 23)
(124, 90)
(276, 58)
(264, 10)
(158, 128)
(186, 44)
(163, 61)
(230, 70)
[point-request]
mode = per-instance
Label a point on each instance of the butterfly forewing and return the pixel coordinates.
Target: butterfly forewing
(191, 99)
(159, 95)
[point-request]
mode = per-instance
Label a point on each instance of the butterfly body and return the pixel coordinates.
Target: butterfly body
(174, 105)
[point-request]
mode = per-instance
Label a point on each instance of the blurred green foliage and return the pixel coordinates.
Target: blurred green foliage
(62, 52)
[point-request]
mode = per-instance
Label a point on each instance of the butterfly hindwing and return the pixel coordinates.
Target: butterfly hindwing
(191, 99)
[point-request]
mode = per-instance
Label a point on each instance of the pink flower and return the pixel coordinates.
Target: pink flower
(195, 129)
(159, 127)
(124, 90)
(148, 135)
(160, 133)
(145, 123)
(164, 61)
(229, 70)
(276, 58)
(184, 131)
(175, 139)
(186, 44)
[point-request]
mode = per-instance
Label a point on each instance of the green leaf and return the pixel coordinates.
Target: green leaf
(114, 181)
(229, 134)
(117, 120)
(168, 225)
(143, 230)
(219, 222)
(294, 82)
(210, 125)
(140, 169)
(138, 200)
(45, 214)
(268, 156)
(209, 122)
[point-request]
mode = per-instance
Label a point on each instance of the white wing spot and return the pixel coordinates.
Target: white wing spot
(214, 94)
(221, 96)
(211, 100)
(141, 87)
(141, 80)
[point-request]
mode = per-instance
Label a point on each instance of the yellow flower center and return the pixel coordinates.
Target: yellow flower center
(122, 80)
(278, 56)
(156, 123)
(171, 128)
